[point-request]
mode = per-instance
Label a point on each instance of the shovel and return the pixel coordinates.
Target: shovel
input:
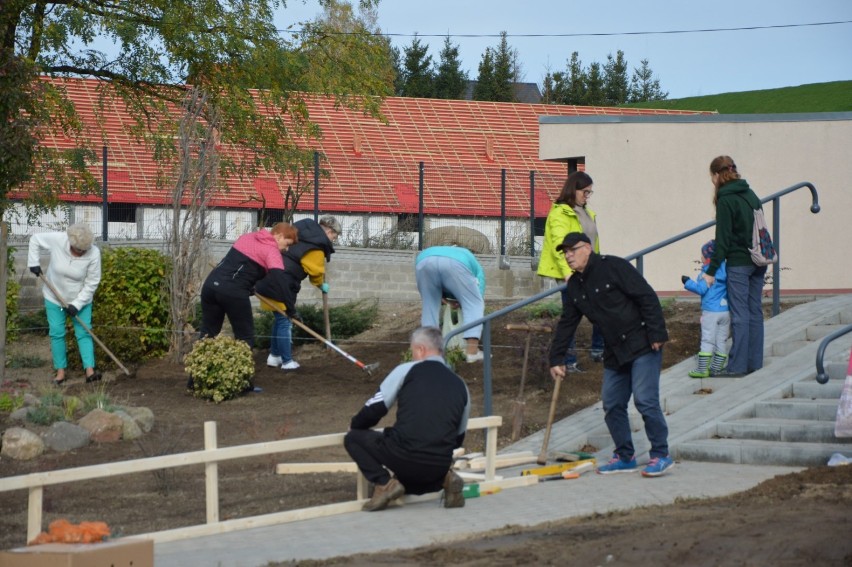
(542, 456)
(368, 368)
(519, 403)
(325, 317)
(82, 324)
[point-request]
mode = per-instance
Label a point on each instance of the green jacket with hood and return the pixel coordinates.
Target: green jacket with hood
(735, 208)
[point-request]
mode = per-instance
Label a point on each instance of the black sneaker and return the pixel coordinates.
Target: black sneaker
(597, 356)
(573, 368)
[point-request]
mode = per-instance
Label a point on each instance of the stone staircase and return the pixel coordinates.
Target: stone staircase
(779, 415)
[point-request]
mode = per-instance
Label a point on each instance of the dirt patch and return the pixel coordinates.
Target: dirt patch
(322, 396)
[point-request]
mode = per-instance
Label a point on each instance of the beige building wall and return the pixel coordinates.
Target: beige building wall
(651, 182)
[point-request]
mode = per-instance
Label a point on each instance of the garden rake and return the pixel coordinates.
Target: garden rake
(368, 368)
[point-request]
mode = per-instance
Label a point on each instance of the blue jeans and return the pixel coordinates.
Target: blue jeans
(56, 317)
(597, 337)
(282, 337)
(439, 275)
(641, 378)
(745, 287)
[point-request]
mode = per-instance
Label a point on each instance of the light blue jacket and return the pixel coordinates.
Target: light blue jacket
(713, 298)
(460, 254)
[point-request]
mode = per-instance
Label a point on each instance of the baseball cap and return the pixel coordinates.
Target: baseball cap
(572, 239)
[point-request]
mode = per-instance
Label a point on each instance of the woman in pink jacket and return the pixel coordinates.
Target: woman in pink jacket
(226, 291)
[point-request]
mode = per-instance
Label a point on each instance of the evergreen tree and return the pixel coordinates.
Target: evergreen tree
(643, 86)
(576, 81)
(616, 88)
(398, 72)
(553, 88)
(450, 80)
(418, 78)
(595, 95)
(505, 71)
(484, 88)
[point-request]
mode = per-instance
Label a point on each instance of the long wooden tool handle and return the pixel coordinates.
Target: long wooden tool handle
(83, 324)
(325, 316)
(313, 333)
(542, 456)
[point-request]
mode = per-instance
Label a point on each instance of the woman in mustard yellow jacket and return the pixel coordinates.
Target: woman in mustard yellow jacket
(570, 213)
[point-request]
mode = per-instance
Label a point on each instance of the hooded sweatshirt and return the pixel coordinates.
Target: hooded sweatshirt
(735, 208)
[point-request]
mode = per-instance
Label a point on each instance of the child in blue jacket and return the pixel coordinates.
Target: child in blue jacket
(715, 318)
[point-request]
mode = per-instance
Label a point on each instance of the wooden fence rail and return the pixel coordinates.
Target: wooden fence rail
(210, 457)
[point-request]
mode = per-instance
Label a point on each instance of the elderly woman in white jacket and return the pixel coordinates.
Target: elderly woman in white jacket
(75, 272)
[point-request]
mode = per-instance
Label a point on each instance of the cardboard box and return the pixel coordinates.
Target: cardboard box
(122, 552)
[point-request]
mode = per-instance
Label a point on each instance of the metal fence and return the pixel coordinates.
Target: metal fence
(388, 204)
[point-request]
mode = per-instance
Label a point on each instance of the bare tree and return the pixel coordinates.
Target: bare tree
(195, 185)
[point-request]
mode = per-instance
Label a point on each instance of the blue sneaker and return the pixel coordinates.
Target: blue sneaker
(658, 466)
(616, 465)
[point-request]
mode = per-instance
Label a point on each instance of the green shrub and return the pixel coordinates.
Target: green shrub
(346, 320)
(220, 368)
(98, 399)
(131, 306)
(33, 323)
(10, 402)
(544, 309)
(25, 361)
(13, 289)
(45, 415)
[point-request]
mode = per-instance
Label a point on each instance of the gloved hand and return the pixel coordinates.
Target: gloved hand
(36, 270)
(324, 287)
(71, 310)
(295, 316)
(684, 279)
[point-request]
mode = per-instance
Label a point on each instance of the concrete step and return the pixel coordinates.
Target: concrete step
(813, 390)
(819, 332)
(794, 408)
(784, 348)
(758, 452)
(786, 430)
(836, 370)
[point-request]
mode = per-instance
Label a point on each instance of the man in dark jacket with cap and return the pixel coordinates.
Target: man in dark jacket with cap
(611, 293)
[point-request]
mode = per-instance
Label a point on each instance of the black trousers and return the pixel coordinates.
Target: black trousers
(215, 305)
(369, 449)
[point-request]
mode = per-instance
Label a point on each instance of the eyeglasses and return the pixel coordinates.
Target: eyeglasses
(586, 192)
(574, 249)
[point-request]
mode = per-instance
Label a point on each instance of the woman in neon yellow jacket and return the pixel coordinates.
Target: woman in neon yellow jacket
(570, 213)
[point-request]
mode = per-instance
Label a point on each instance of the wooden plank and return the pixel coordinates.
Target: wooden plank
(211, 474)
(505, 460)
(305, 468)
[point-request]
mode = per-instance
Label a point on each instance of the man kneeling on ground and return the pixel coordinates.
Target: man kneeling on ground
(415, 455)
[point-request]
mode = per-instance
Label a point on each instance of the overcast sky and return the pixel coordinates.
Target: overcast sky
(687, 64)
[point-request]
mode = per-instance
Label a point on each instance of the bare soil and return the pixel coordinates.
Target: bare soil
(791, 520)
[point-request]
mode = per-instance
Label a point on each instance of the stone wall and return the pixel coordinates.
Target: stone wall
(353, 273)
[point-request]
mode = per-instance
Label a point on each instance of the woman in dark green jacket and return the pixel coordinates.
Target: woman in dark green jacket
(735, 205)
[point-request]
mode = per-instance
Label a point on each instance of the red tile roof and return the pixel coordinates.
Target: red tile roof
(372, 166)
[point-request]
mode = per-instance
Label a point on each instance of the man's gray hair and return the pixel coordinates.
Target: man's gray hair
(329, 221)
(429, 337)
(80, 236)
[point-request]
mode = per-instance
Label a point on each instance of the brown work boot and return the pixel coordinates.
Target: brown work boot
(453, 487)
(384, 494)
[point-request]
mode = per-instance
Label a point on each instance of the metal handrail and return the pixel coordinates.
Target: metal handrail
(821, 376)
(776, 233)
(639, 257)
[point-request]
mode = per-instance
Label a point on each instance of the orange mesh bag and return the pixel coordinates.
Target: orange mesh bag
(63, 531)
